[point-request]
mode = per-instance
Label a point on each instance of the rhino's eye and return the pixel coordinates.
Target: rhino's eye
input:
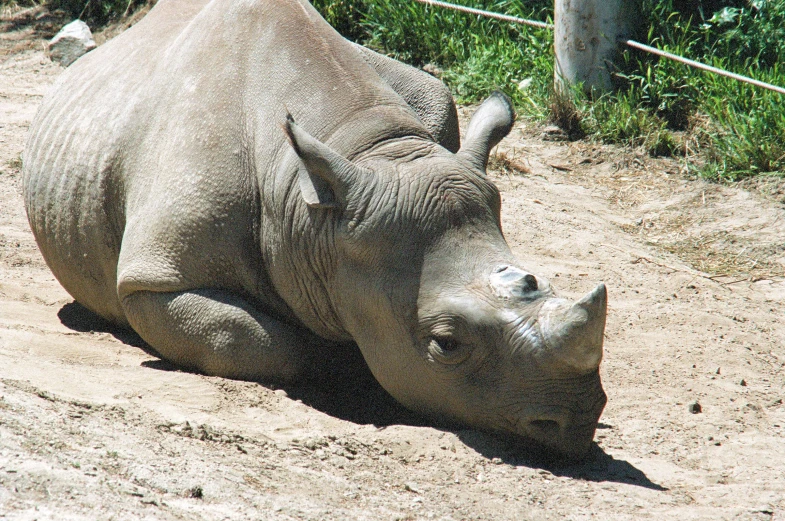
(447, 350)
(448, 344)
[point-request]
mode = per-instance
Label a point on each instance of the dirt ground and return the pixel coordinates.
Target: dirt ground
(93, 427)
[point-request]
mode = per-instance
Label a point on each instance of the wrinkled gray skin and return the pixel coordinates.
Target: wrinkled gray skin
(169, 192)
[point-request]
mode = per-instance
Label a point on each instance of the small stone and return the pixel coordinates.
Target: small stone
(281, 393)
(718, 370)
(315, 443)
(743, 382)
(695, 407)
(497, 461)
(73, 41)
(412, 487)
(525, 83)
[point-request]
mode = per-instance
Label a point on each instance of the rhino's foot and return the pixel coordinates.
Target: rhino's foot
(220, 334)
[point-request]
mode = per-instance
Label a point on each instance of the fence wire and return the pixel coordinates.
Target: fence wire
(702, 66)
(487, 14)
(630, 43)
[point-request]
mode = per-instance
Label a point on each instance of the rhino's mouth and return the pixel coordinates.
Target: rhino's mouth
(552, 440)
(566, 430)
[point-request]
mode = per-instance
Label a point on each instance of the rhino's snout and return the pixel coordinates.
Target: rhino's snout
(566, 435)
(564, 410)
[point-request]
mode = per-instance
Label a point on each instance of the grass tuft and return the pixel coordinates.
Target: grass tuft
(565, 114)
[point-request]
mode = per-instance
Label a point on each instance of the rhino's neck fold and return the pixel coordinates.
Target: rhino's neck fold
(303, 264)
(364, 131)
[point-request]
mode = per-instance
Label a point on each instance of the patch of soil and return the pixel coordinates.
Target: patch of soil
(94, 426)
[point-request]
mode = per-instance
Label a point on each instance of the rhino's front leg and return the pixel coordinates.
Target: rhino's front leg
(220, 334)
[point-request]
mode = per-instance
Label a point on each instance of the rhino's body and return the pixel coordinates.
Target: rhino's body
(164, 195)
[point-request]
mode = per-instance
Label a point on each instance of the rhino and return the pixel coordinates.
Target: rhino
(247, 190)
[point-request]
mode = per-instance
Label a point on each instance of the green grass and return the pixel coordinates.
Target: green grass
(722, 129)
(477, 55)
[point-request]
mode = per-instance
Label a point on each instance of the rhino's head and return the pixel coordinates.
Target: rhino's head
(447, 319)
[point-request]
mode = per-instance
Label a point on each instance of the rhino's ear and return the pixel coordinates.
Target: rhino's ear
(492, 121)
(326, 177)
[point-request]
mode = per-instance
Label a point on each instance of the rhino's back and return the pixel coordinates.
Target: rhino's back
(148, 161)
(74, 195)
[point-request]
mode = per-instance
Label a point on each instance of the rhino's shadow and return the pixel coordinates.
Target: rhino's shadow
(78, 318)
(343, 387)
(597, 466)
(346, 389)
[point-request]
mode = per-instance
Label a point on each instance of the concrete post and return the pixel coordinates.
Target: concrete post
(585, 40)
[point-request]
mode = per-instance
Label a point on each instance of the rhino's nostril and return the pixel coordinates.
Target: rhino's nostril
(529, 282)
(544, 429)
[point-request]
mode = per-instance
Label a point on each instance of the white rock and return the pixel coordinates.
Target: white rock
(73, 40)
(525, 84)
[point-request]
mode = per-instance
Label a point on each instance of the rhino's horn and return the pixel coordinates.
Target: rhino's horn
(489, 124)
(576, 332)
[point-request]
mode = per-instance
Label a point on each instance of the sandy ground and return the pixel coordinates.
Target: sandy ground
(93, 427)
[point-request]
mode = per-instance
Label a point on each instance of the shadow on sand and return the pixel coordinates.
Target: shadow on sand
(345, 388)
(44, 24)
(78, 318)
(597, 466)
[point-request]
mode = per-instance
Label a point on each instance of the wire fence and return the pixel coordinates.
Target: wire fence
(701, 66)
(630, 43)
(487, 14)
